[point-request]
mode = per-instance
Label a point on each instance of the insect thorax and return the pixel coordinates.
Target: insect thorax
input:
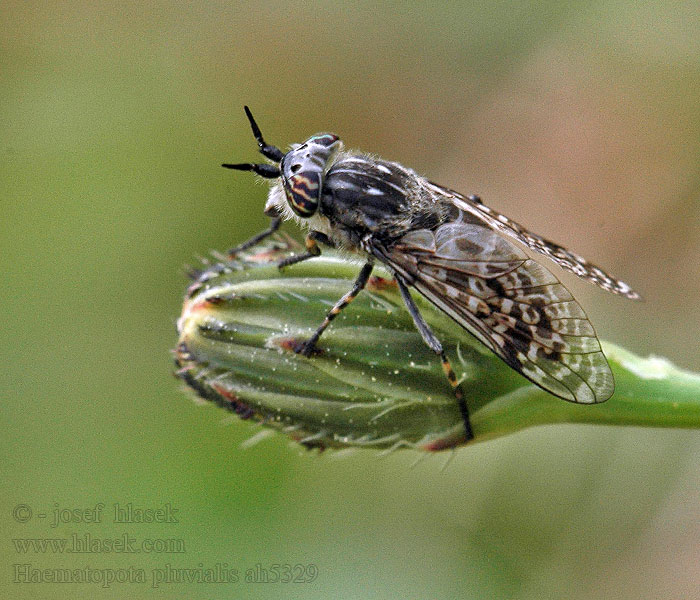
(363, 195)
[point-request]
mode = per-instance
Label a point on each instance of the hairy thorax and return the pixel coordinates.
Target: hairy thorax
(364, 197)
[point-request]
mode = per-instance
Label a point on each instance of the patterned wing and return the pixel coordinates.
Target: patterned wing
(511, 303)
(564, 258)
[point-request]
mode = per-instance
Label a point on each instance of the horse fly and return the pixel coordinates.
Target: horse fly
(452, 249)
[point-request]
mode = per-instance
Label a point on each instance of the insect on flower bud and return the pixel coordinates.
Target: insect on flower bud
(250, 338)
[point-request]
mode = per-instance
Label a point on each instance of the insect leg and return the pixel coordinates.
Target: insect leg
(312, 249)
(435, 345)
(274, 226)
(308, 347)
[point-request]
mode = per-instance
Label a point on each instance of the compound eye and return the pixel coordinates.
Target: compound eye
(303, 193)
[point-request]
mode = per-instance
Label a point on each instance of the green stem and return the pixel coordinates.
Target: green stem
(648, 392)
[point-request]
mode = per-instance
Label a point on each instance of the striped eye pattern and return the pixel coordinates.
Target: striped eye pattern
(303, 191)
(303, 169)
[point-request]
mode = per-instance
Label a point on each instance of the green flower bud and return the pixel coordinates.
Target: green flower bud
(373, 382)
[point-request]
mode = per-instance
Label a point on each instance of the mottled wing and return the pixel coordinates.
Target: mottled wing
(511, 303)
(564, 258)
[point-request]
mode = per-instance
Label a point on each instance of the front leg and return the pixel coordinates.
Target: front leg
(307, 348)
(312, 249)
(274, 226)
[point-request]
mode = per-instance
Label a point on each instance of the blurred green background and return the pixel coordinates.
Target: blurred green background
(580, 120)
